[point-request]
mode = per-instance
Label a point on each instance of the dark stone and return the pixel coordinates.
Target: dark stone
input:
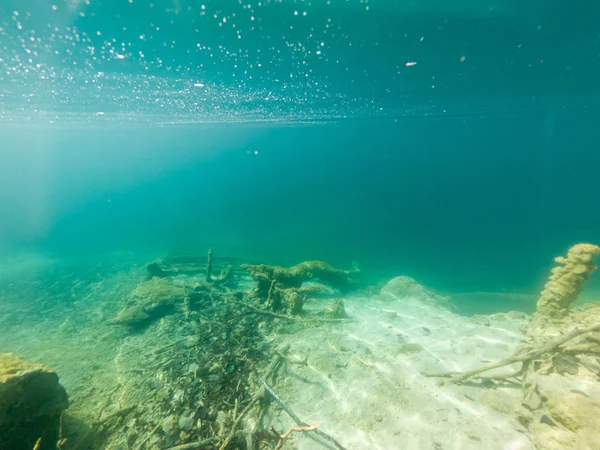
(31, 404)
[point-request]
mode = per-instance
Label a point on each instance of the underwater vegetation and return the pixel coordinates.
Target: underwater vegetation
(232, 361)
(563, 352)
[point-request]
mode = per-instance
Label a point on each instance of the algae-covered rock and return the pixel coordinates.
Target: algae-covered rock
(406, 287)
(158, 291)
(31, 404)
(576, 411)
(151, 300)
(294, 276)
(134, 315)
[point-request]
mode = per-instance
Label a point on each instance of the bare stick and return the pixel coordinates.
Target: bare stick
(209, 266)
(297, 419)
(291, 430)
(302, 362)
(141, 445)
(589, 347)
(194, 445)
(283, 316)
(257, 396)
(525, 354)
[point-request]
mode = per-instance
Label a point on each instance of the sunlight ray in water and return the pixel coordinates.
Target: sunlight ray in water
(296, 225)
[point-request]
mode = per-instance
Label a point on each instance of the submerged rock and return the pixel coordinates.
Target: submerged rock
(31, 404)
(151, 300)
(406, 287)
(186, 420)
(410, 348)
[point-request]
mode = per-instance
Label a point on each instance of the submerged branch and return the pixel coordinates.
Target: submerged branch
(257, 396)
(283, 316)
(297, 419)
(194, 445)
(527, 354)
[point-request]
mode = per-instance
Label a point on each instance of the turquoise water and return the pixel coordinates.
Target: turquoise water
(468, 170)
(457, 203)
(452, 142)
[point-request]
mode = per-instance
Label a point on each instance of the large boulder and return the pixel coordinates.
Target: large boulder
(31, 404)
(407, 288)
(150, 301)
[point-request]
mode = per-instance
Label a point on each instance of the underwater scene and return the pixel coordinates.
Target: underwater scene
(291, 224)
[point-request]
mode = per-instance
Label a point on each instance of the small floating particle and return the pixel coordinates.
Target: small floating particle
(410, 63)
(462, 58)
(198, 85)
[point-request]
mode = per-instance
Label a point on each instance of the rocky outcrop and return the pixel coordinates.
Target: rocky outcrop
(31, 404)
(405, 287)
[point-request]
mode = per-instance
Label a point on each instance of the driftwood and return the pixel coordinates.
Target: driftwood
(292, 429)
(526, 356)
(283, 316)
(209, 266)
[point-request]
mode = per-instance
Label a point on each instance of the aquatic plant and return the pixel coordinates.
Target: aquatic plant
(281, 288)
(562, 289)
(564, 347)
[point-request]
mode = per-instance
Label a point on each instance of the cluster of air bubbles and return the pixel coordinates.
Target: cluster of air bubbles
(195, 62)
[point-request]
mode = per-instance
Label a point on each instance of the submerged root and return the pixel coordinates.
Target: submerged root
(526, 356)
(294, 276)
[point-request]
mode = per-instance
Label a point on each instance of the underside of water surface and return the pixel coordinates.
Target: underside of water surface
(287, 224)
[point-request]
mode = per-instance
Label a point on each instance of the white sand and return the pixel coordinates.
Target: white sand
(364, 389)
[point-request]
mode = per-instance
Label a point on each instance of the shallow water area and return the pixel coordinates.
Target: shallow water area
(344, 224)
(359, 380)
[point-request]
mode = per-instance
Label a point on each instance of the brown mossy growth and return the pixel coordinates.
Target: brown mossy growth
(31, 404)
(11, 365)
(156, 269)
(290, 299)
(338, 311)
(564, 286)
(294, 276)
(209, 266)
(311, 291)
(562, 358)
(293, 300)
(225, 277)
(132, 316)
(190, 265)
(274, 296)
(566, 281)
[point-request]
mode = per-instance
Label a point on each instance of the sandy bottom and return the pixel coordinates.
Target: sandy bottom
(364, 382)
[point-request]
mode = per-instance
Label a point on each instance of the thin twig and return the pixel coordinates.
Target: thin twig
(257, 396)
(291, 430)
(148, 436)
(194, 445)
(283, 316)
(302, 362)
(297, 419)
